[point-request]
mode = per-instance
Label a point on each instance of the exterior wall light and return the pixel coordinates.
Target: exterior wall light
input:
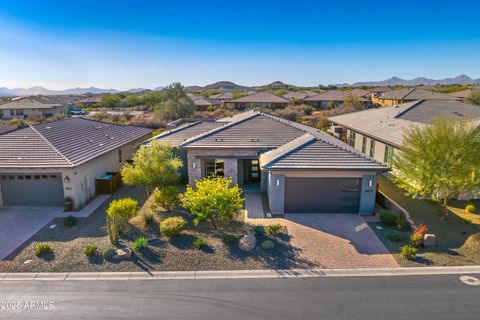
(66, 179)
(370, 183)
(278, 182)
(193, 165)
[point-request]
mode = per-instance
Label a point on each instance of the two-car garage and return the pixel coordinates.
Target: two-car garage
(35, 189)
(322, 195)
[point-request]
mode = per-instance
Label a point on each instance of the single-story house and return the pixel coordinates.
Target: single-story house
(90, 101)
(394, 97)
(332, 99)
(24, 107)
(295, 97)
(260, 99)
(463, 94)
(302, 169)
(203, 103)
(379, 132)
(225, 96)
(41, 165)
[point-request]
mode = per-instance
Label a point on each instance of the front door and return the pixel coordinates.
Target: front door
(254, 170)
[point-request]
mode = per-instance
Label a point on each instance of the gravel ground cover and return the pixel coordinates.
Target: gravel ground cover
(161, 253)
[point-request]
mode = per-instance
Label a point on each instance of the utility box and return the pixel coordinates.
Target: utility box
(108, 183)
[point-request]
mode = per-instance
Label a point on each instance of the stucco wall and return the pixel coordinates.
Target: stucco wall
(6, 114)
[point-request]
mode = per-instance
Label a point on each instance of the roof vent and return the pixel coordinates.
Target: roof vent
(48, 127)
(255, 140)
(100, 144)
(89, 140)
(217, 139)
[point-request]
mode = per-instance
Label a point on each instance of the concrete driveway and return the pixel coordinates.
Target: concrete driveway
(18, 224)
(334, 241)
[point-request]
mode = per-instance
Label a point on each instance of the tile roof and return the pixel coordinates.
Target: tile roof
(312, 153)
(29, 103)
(389, 124)
(178, 135)
(332, 95)
(299, 95)
(4, 128)
(414, 94)
(227, 95)
(205, 102)
(64, 143)
(359, 92)
(261, 97)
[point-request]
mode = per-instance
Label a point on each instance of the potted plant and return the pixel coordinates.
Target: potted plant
(68, 205)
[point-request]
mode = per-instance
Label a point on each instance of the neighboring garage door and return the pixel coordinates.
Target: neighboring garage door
(32, 189)
(322, 195)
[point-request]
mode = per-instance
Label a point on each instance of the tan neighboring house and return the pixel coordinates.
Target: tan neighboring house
(395, 97)
(24, 107)
(224, 97)
(203, 103)
(41, 165)
(299, 97)
(379, 132)
(332, 99)
(463, 94)
(260, 99)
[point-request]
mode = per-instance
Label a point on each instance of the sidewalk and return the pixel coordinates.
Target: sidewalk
(240, 274)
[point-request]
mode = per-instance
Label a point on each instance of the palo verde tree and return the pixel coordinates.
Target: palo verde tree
(153, 166)
(213, 200)
(176, 104)
(439, 161)
(118, 214)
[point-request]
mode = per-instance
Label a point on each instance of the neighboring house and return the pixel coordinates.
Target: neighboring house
(302, 169)
(260, 99)
(24, 107)
(332, 99)
(90, 102)
(223, 96)
(203, 103)
(399, 96)
(379, 132)
(299, 97)
(42, 164)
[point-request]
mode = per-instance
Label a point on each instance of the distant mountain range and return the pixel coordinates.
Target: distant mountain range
(394, 81)
(229, 86)
(43, 91)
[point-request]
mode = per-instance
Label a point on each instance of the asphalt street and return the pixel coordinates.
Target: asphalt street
(394, 297)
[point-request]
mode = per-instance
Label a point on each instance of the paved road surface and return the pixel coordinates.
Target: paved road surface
(399, 297)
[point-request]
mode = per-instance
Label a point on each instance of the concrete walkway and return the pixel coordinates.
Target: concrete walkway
(253, 205)
(20, 223)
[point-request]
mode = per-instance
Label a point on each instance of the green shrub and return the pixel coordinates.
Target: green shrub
(148, 218)
(267, 245)
(90, 250)
(166, 197)
(470, 208)
(43, 249)
(274, 229)
(388, 218)
(408, 252)
(258, 230)
(139, 243)
(108, 254)
(69, 221)
(229, 239)
(118, 212)
(200, 242)
(394, 235)
(173, 226)
(402, 224)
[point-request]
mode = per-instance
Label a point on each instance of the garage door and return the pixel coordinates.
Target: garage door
(321, 195)
(32, 189)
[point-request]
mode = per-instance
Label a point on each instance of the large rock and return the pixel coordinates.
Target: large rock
(429, 240)
(248, 242)
(122, 254)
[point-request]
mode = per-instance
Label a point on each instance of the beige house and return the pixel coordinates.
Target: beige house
(24, 107)
(394, 97)
(41, 165)
(260, 99)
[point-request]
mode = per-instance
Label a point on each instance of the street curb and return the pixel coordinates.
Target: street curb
(238, 274)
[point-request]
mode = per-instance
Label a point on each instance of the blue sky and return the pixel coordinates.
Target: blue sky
(129, 44)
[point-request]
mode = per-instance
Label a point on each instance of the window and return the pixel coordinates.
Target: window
(364, 144)
(351, 139)
(372, 148)
(120, 155)
(388, 155)
(214, 168)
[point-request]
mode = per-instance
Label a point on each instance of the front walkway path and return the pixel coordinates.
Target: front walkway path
(253, 205)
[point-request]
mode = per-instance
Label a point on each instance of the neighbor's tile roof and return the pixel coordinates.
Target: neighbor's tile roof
(28, 103)
(391, 123)
(205, 102)
(359, 92)
(179, 135)
(414, 94)
(4, 128)
(227, 95)
(313, 153)
(299, 95)
(64, 143)
(332, 95)
(261, 97)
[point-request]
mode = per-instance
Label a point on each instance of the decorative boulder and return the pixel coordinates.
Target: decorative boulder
(248, 242)
(122, 254)
(429, 240)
